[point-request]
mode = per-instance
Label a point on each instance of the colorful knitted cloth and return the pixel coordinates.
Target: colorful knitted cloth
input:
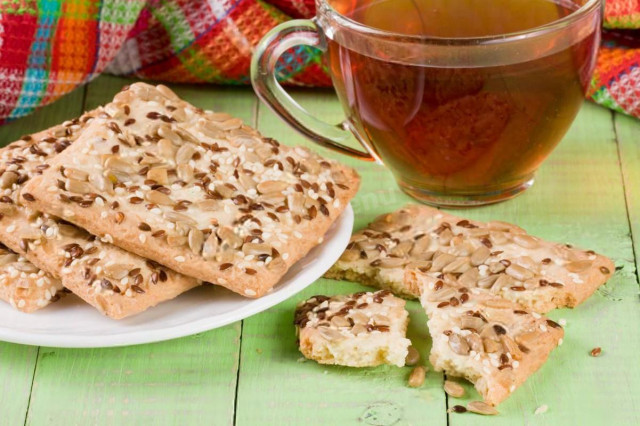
(49, 47)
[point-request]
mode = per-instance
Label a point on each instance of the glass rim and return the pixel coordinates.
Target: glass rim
(540, 30)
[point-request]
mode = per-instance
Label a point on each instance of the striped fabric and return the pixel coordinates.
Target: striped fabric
(50, 47)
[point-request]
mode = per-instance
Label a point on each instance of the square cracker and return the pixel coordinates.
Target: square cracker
(494, 343)
(115, 282)
(357, 330)
(194, 190)
(23, 285)
(495, 255)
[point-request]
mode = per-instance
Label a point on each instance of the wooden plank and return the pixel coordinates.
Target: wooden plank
(628, 134)
(275, 388)
(185, 381)
(578, 197)
(18, 362)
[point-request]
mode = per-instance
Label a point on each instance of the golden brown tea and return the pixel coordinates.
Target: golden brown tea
(461, 129)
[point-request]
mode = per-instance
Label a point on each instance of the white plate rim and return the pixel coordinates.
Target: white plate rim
(304, 278)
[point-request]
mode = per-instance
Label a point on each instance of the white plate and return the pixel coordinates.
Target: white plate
(70, 323)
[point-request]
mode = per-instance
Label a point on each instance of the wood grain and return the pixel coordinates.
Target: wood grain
(185, 381)
(628, 135)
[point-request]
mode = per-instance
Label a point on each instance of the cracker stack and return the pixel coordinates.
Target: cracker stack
(113, 203)
(358, 330)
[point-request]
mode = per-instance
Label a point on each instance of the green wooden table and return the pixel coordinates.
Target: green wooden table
(251, 373)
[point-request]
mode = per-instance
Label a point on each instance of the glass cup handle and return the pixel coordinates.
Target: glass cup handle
(263, 78)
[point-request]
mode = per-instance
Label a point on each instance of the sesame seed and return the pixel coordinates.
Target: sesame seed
(179, 259)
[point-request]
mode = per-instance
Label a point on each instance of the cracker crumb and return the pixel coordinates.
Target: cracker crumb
(541, 409)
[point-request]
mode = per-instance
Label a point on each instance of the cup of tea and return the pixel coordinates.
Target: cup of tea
(461, 99)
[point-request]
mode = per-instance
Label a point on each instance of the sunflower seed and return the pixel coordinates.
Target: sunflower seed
(330, 334)
(413, 357)
(403, 249)
(76, 174)
(157, 197)
(101, 183)
(196, 240)
(460, 265)
(256, 249)
(77, 187)
(26, 267)
(229, 237)
(177, 240)
(340, 321)
(491, 346)
(185, 153)
(8, 178)
(117, 164)
(164, 90)
(158, 174)
(458, 344)
(475, 342)
(185, 172)
(441, 261)
(5, 259)
(512, 347)
(453, 389)
(391, 262)
(417, 376)
(481, 254)
(271, 186)
(166, 149)
(117, 271)
(519, 273)
(471, 322)
(526, 241)
(483, 408)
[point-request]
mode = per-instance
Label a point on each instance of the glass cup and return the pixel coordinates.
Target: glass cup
(459, 119)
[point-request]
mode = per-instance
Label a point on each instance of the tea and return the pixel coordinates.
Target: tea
(460, 129)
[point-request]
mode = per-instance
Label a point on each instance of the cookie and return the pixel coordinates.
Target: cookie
(493, 342)
(497, 256)
(194, 190)
(358, 330)
(115, 282)
(23, 285)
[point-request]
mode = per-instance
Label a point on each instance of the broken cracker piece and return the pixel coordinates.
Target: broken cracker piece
(493, 342)
(359, 330)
